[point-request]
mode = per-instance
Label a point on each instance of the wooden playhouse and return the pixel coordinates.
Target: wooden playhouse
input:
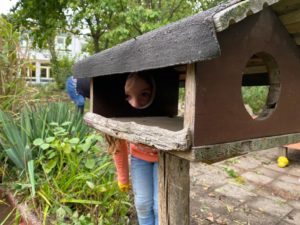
(212, 54)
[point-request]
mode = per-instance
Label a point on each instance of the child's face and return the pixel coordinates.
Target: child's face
(138, 92)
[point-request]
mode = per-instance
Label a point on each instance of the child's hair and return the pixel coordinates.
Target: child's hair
(143, 76)
(113, 144)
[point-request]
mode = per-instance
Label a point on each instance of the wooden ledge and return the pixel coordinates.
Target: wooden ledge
(152, 132)
(218, 152)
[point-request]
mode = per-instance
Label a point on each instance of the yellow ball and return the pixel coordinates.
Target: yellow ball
(282, 161)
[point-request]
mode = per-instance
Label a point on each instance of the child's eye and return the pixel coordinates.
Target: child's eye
(145, 94)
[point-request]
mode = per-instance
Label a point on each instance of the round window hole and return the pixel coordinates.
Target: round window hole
(261, 86)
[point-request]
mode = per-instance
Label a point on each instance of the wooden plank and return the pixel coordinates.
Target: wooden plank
(286, 6)
(292, 17)
(154, 136)
(174, 190)
(238, 12)
(256, 69)
(219, 152)
(297, 38)
(190, 98)
(92, 95)
(293, 28)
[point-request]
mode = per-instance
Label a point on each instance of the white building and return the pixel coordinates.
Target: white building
(39, 70)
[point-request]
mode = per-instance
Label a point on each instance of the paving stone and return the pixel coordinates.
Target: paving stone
(205, 207)
(267, 172)
(268, 155)
(295, 204)
(290, 179)
(235, 191)
(257, 178)
(290, 189)
(270, 195)
(252, 217)
(276, 168)
(207, 175)
(264, 192)
(295, 171)
(270, 206)
(293, 217)
(247, 162)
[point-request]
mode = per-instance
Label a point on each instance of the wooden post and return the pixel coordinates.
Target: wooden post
(174, 177)
(174, 190)
(92, 95)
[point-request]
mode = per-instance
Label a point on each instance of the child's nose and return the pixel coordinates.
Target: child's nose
(135, 102)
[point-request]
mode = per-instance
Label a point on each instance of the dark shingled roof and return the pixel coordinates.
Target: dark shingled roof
(188, 40)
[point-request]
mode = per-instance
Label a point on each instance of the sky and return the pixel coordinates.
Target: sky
(5, 5)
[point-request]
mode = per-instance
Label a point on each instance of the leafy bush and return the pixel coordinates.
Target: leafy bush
(54, 157)
(61, 70)
(11, 84)
(255, 97)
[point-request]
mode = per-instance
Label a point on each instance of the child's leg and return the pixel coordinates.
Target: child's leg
(155, 194)
(143, 188)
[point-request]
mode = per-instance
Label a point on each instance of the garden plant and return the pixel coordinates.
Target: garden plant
(56, 164)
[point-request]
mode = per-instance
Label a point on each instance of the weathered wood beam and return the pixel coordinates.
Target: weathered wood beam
(286, 6)
(256, 69)
(92, 95)
(174, 190)
(152, 135)
(219, 152)
(293, 28)
(297, 38)
(238, 12)
(190, 98)
(292, 17)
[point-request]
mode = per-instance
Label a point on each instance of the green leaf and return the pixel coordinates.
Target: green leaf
(67, 123)
(60, 213)
(50, 139)
(49, 166)
(30, 165)
(45, 146)
(38, 142)
(81, 201)
(90, 163)
(67, 148)
(74, 141)
(90, 184)
(85, 147)
(55, 124)
(51, 154)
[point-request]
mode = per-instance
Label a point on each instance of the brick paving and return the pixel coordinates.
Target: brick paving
(250, 190)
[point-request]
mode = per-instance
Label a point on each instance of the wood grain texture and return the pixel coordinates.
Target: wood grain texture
(174, 190)
(219, 152)
(160, 138)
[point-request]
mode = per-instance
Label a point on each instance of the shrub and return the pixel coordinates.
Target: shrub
(255, 97)
(11, 84)
(58, 164)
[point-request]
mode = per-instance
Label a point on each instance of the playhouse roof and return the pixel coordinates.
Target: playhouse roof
(186, 41)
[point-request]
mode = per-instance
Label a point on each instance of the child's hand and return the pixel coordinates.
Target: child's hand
(124, 187)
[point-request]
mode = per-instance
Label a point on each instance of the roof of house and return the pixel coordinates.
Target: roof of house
(185, 41)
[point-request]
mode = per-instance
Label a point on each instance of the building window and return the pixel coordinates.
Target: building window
(61, 42)
(45, 70)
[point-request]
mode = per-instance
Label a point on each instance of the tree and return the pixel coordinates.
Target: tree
(105, 22)
(43, 20)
